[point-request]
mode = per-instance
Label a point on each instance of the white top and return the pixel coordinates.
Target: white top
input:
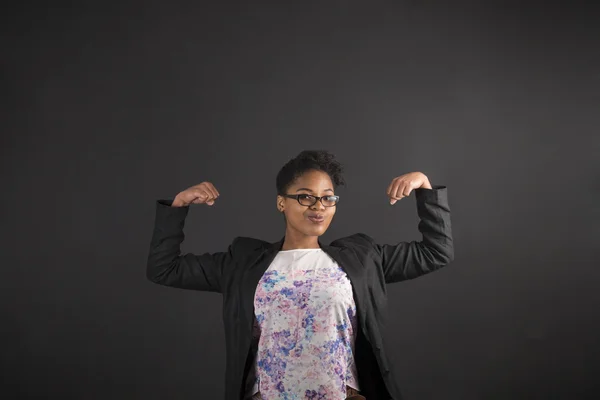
(305, 324)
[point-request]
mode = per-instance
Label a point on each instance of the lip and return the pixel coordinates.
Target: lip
(317, 219)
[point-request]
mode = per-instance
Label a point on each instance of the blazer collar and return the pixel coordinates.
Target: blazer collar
(269, 253)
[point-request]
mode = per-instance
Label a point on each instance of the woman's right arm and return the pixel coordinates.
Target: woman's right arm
(166, 266)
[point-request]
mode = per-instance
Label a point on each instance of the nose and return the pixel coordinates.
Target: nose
(318, 206)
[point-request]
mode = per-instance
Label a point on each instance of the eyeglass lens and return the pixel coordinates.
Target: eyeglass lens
(307, 200)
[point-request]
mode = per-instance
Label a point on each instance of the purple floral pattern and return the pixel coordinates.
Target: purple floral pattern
(306, 320)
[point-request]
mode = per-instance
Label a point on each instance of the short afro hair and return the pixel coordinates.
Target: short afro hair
(320, 160)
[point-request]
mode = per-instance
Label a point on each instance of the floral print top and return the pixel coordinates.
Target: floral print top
(305, 324)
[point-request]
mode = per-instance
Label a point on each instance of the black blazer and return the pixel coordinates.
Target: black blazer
(370, 266)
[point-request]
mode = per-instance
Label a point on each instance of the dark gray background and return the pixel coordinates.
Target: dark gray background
(108, 108)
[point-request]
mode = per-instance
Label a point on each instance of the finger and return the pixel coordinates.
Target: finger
(210, 196)
(202, 193)
(407, 189)
(209, 188)
(398, 193)
(404, 191)
(202, 196)
(391, 193)
(394, 190)
(214, 189)
(197, 200)
(391, 185)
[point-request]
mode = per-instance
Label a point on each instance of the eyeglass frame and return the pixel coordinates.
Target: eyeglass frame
(317, 198)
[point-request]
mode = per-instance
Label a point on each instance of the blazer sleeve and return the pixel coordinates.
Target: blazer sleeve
(409, 260)
(167, 266)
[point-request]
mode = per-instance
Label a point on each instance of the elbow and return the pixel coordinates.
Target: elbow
(448, 254)
(443, 255)
(156, 273)
(151, 274)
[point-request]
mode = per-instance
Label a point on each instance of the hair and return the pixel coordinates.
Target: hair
(320, 160)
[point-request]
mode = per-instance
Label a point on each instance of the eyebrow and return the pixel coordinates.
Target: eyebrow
(331, 190)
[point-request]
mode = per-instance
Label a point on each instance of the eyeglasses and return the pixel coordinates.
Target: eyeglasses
(309, 200)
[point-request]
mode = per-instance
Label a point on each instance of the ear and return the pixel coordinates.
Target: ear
(280, 203)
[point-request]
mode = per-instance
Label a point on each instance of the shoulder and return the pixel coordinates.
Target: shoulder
(356, 240)
(246, 244)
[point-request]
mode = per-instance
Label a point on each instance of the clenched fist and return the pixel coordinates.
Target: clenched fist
(402, 185)
(204, 192)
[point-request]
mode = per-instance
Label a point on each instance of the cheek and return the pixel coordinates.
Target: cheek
(296, 214)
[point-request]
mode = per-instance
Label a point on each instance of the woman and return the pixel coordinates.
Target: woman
(304, 320)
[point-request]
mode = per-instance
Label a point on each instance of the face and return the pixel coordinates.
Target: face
(298, 216)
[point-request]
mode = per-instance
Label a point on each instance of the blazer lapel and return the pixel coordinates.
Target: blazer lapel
(350, 263)
(252, 275)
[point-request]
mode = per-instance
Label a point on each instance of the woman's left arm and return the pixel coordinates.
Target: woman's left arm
(408, 260)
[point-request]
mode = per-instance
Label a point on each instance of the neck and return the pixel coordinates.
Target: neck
(296, 240)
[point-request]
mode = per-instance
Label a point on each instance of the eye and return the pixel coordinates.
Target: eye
(305, 197)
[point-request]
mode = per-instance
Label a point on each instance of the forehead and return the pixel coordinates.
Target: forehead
(314, 180)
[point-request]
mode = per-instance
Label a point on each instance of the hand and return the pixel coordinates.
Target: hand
(402, 185)
(204, 192)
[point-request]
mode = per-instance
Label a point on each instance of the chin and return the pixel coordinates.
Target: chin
(313, 232)
(318, 232)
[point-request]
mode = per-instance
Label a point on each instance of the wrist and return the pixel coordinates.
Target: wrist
(177, 202)
(426, 184)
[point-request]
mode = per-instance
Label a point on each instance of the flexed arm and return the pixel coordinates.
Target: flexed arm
(166, 266)
(408, 260)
